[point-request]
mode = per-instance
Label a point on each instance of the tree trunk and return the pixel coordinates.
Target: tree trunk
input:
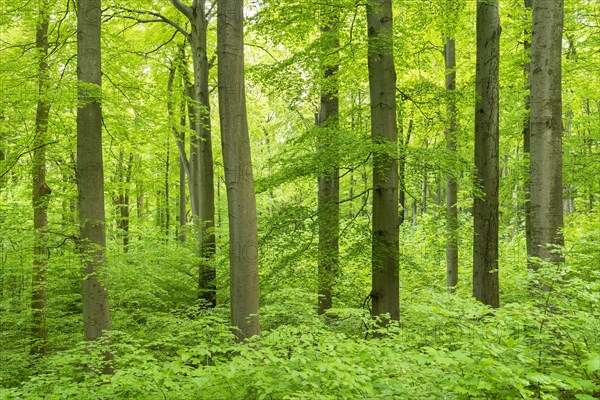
(329, 181)
(182, 217)
(451, 182)
(184, 166)
(201, 178)
(485, 208)
(546, 130)
(122, 200)
(241, 201)
(404, 142)
(385, 294)
(166, 183)
(41, 191)
(90, 176)
(526, 135)
(424, 191)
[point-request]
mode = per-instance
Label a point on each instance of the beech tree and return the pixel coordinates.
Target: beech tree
(385, 293)
(329, 181)
(451, 181)
(485, 209)
(41, 191)
(297, 76)
(90, 175)
(200, 163)
(546, 130)
(239, 179)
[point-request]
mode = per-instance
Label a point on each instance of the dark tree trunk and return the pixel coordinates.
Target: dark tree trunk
(329, 181)
(122, 201)
(166, 185)
(201, 172)
(41, 191)
(526, 136)
(184, 166)
(451, 182)
(385, 293)
(404, 142)
(485, 208)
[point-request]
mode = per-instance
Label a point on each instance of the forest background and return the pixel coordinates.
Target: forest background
(170, 303)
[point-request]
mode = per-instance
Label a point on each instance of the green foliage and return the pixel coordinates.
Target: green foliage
(539, 344)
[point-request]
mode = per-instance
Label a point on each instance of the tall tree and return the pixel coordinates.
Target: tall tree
(41, 191)
(546, 129)
(485, 210)
(179, 133)
(526, 134)
(121, 200)
(241, 201)
(90, 175)
(385, 294)
(451, 182)
(329, 180)
(201, 171)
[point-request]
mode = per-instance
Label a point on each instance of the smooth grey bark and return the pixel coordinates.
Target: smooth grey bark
(546, 130)
(485, 207)
(241, 201)
(451, 182)
(90, 175)
(201, 171)
(41, 191)
(329, 182)
(385, 294)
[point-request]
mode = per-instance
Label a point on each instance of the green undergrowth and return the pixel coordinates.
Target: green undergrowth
(443, 347)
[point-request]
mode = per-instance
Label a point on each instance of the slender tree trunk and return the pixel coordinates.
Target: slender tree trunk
(424, 191)
(241, 201)
(90, 176)
(122, 201)
(451, 182)
(201, 179)
(184, 166)
(41, 191)
(546, 130)
(203, 144)
(526, 135)
(167, 210)
(385, 293)
(405, 141)
(439, 192)
(485, 208)
(329, 182)
(182, 217)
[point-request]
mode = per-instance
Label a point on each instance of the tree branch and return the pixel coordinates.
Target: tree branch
(185, 10)
(159, 16)
(22, 154)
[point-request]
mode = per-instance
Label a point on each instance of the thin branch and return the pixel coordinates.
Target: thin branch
(22, 154)
(263, 49)
(211, 12)
(355, 196)
(159, 16)
(116, 87)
